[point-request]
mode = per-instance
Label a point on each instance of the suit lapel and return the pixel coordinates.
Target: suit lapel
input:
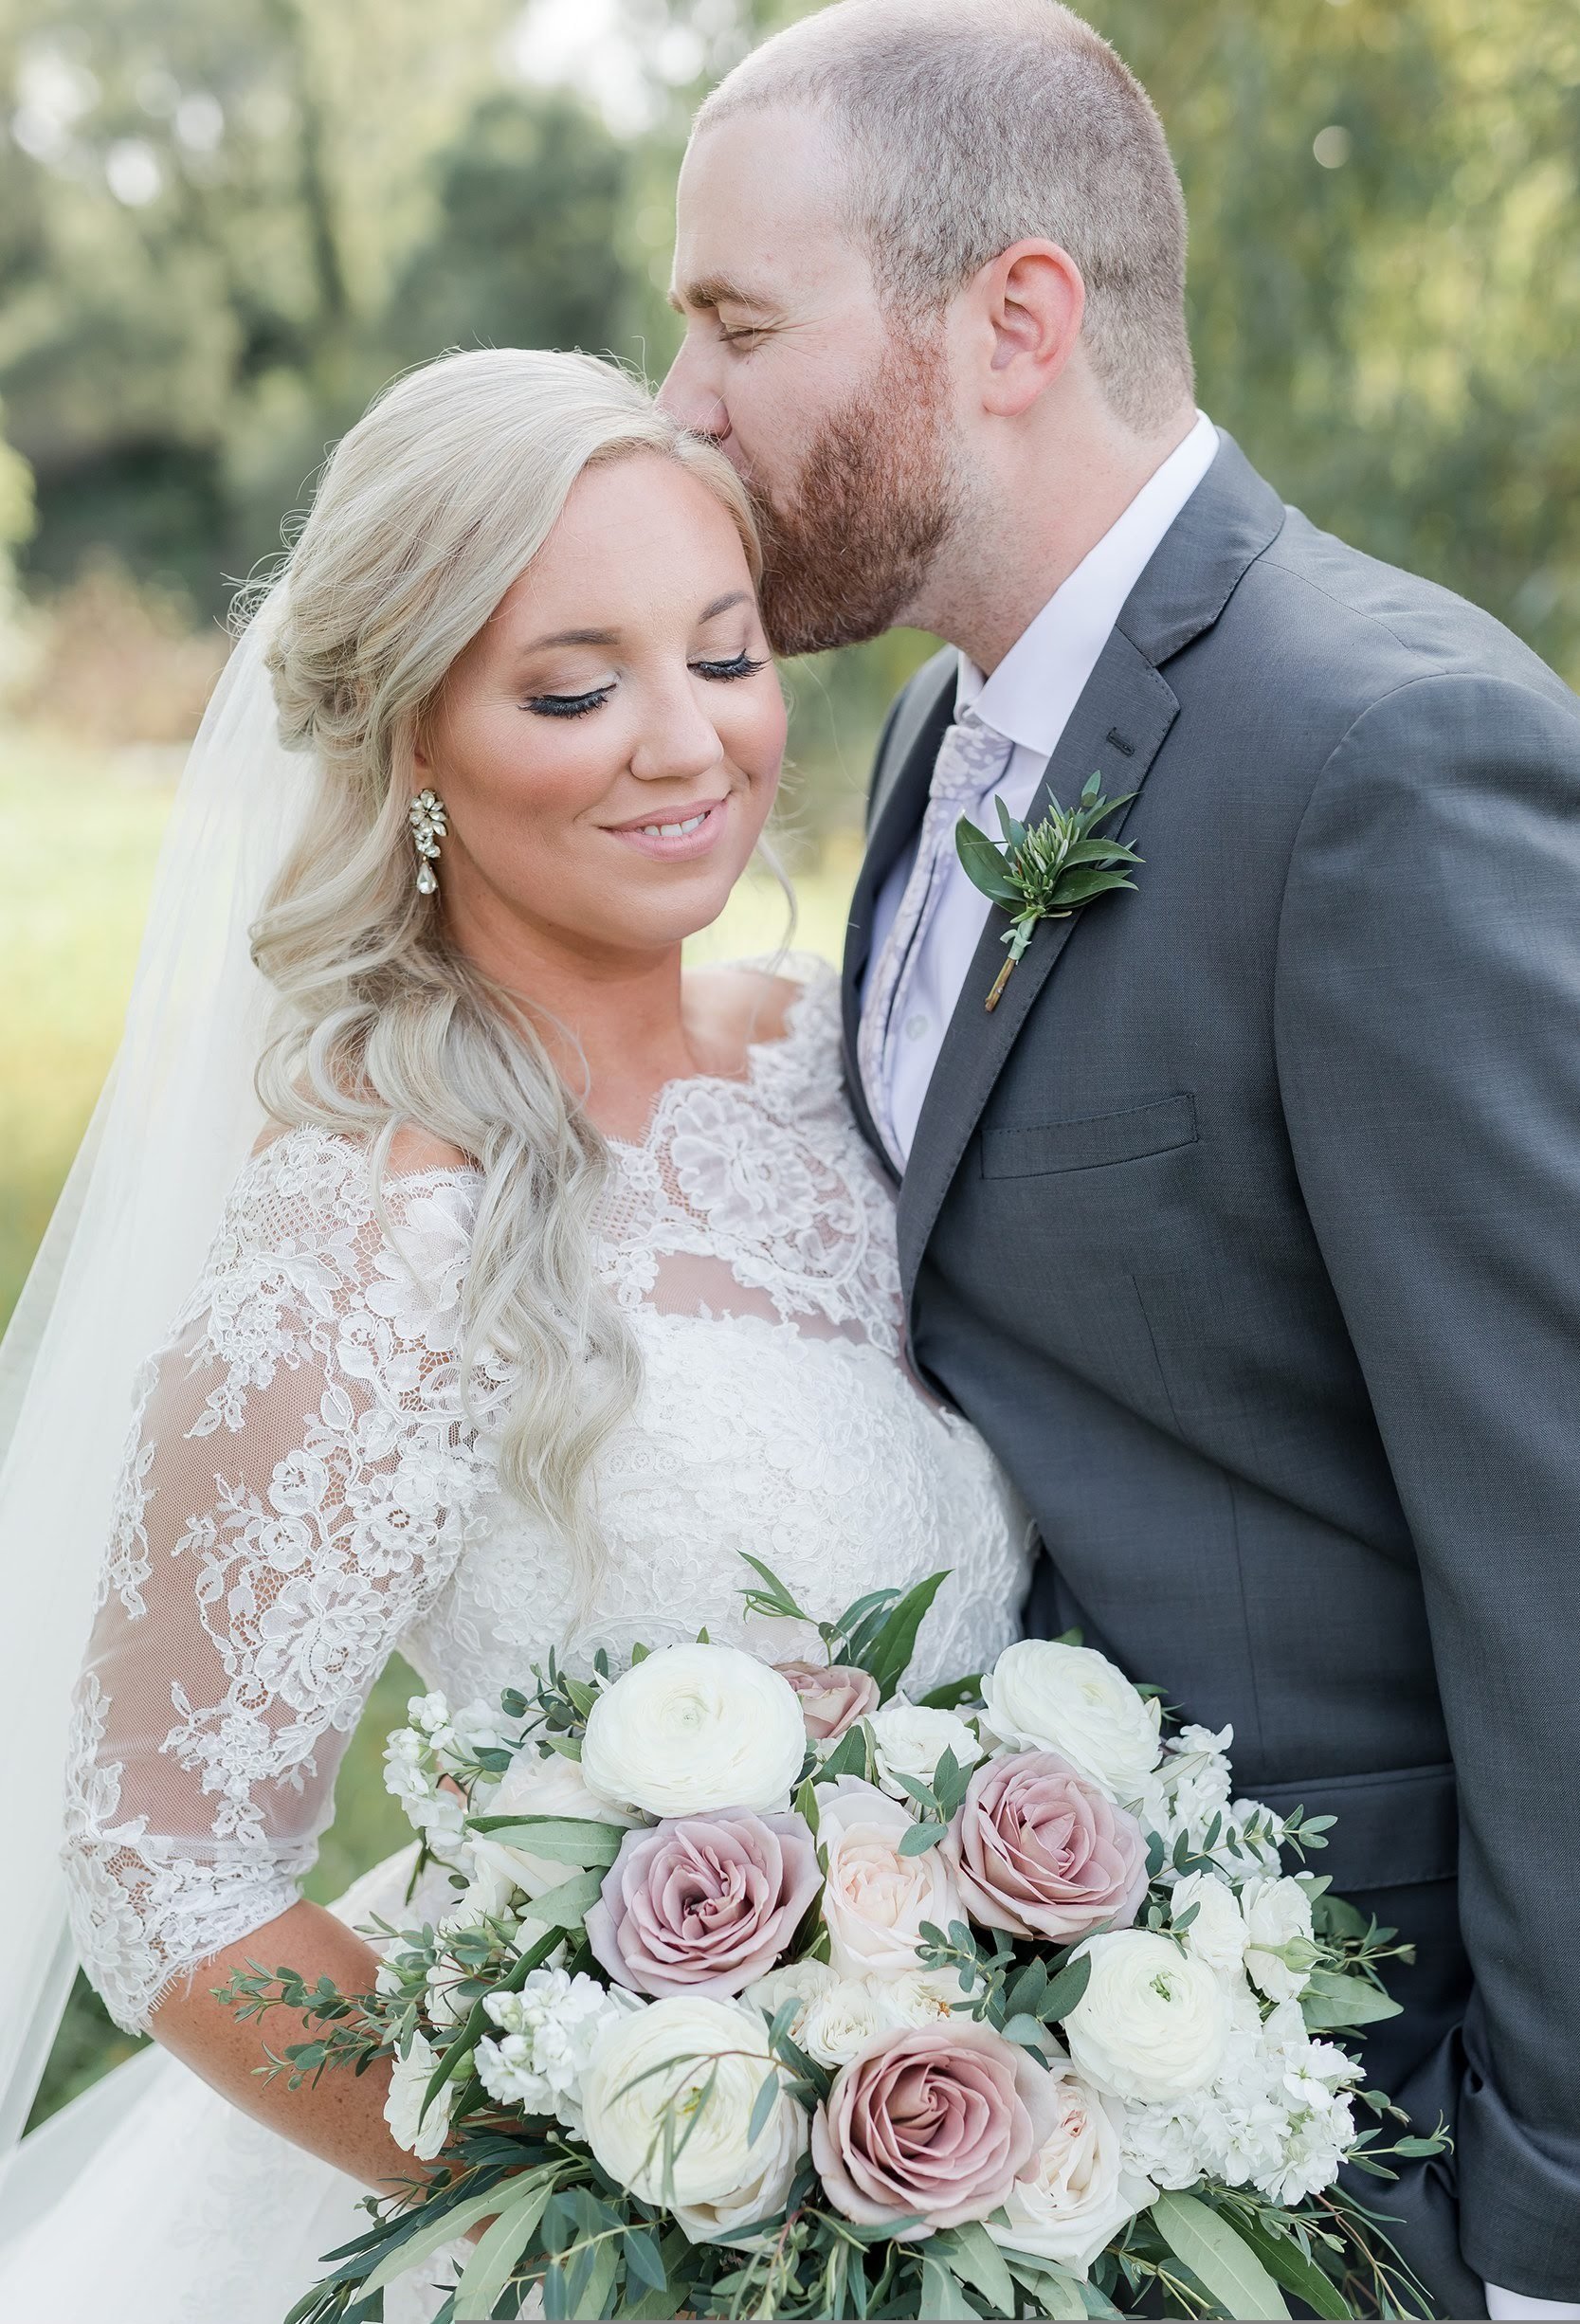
(1114, 730)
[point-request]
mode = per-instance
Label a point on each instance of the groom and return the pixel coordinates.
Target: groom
(1247, 1227)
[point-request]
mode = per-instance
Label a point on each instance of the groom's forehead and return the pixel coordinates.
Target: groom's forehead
(757, 209)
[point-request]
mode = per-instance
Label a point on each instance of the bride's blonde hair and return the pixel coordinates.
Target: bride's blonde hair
(427, 512)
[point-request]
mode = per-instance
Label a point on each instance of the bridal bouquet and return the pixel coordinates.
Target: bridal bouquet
(770, 1991)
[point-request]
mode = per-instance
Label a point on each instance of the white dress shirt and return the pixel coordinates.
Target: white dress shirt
(1028, 700)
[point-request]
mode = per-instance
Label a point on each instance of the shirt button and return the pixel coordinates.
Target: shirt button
(916, 1027)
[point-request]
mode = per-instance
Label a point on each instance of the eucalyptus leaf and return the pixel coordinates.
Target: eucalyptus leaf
(1066, 1989)
(1223, 2259)
(941, 2295)
(1294, 2269)
(431, 2237)
(562, 1840)
(489, 2267)
(977, 2259)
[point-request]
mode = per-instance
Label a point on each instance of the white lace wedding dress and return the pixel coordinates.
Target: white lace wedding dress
(302, 1494)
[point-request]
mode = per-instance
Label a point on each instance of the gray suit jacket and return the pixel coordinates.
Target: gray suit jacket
(1247, 1231)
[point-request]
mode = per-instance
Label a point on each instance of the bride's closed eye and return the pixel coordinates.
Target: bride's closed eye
(577, 705)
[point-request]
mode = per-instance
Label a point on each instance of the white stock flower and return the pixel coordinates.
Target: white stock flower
(547, 2034)
(1277, 2117)
(1216, 1934)
(695, 1728)
(909, 1739)
(1041, 1696)
(875, 1899)
(655, 2065)
(534, 1787)
(409, 2082)
(1151, 2024)
(1278, 1944)
(1080, 2192)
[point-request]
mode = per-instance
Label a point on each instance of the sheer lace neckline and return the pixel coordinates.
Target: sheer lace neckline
(764, 1058)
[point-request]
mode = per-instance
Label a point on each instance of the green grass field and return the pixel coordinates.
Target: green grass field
(83, 832)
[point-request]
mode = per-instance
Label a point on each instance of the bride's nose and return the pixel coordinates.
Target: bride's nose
(678, 738)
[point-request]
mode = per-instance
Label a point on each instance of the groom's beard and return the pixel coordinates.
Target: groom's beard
(848, 552)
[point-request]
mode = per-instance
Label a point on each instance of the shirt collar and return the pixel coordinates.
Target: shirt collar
(1029, 697)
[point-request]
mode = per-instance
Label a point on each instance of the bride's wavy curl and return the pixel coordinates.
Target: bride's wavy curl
(427, 512)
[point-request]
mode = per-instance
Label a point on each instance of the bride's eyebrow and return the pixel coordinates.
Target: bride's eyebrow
(573, 637)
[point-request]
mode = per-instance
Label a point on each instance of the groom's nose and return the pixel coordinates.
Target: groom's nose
(690, 397)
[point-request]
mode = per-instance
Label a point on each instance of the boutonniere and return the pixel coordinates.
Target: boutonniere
(1049, 872)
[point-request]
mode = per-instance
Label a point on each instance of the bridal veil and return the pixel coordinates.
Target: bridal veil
(176, 1120)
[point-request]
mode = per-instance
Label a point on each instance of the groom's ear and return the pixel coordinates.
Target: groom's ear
(1029, 302)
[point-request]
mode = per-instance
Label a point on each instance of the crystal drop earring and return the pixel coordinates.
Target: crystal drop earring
(428, 826)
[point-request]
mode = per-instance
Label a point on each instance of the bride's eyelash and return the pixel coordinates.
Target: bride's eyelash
(567, 705)
(577, 705)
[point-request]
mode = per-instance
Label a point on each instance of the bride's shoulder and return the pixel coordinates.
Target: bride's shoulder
(303, 1183)
(764, 1004)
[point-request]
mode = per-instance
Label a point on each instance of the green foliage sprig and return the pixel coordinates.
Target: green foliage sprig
(1048, 871)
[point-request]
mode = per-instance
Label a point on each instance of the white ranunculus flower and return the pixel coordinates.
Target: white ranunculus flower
(841, 2022)
(655, 2064)
(1041, 1696)
(696, 1728)
(909, 1739)
(1152, 2022)
(409, 2083)
(1217, 1930)
(534, 1787)
(874, 1899)
(1278, 1944)
(760, 2196)
(801, 1981)
(1081, 2192)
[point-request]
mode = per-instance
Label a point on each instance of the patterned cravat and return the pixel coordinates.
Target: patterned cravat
(970, 764)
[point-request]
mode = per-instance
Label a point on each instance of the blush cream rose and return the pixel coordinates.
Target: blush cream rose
(875, 1898)
(1078, 2192)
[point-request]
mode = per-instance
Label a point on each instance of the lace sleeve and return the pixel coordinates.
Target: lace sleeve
(298, 1484)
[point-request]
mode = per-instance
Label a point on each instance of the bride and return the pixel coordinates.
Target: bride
(554, 1277)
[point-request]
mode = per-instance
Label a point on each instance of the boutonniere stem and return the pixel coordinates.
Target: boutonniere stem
(1047, 872)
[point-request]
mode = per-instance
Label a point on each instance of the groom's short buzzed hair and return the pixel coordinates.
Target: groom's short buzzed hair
(973, 124)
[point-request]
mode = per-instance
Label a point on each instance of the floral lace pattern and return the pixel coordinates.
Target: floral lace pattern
(301, 1493)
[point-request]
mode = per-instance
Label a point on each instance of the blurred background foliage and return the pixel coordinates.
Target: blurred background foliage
(222, 229)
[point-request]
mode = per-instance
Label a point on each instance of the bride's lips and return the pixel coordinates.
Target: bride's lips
(691, 833)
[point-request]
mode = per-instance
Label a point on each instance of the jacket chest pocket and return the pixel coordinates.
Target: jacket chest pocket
(1038, 1149)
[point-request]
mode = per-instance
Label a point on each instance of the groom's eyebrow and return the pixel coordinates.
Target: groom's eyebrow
(715, 290)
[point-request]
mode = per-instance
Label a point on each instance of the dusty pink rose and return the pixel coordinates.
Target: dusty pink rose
(833, 1695)
(939, 2120)
(1040, 1851)
(703, 1904)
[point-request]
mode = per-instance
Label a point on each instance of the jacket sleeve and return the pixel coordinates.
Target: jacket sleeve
(1427, 1024)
